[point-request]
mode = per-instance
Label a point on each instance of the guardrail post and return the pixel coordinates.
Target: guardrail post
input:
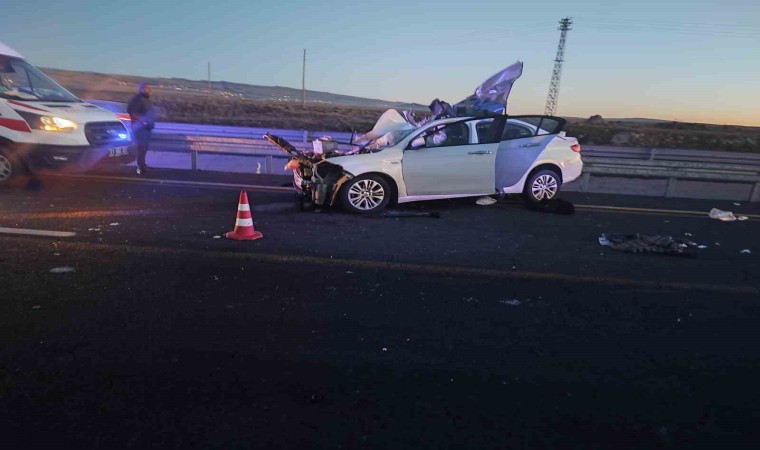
(305, 136)
(194, 160)
(755, 195)
(585, 180)
(671, 189)
(652, 153)
(268, 164)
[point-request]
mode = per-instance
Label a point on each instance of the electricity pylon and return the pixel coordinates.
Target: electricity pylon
(551, 99)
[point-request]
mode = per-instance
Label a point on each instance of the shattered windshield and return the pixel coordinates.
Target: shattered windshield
(392, 138)
(391, 128)
(20, 80)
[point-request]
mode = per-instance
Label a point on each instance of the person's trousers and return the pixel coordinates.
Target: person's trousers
(142, 139)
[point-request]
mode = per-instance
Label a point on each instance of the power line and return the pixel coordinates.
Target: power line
(667, 23)
(691, 29)
(628, 28)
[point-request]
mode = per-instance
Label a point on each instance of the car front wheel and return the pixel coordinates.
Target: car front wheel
(366, 194)
(9, 166)
(542, 186)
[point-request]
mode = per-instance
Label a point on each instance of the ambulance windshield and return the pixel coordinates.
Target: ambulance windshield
(20, 80)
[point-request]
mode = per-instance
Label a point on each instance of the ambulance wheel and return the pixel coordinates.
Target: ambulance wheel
(9, 165)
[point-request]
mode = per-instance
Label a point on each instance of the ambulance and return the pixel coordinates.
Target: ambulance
(44, 127)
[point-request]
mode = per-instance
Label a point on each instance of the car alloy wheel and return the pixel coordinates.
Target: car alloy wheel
(366, 194)
(543, 185)
(6, 168)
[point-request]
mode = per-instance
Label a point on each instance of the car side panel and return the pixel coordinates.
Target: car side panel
(461, 169)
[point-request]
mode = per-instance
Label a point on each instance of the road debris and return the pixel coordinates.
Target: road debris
(397, 214)
(36, 307)
(115, 224)
(639, 243)
(93, 229)
(725, 216)
(514, 302)
(485, 201)
(62, 269)
(746, 251)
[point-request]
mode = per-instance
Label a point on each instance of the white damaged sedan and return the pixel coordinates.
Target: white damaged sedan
(446, 158)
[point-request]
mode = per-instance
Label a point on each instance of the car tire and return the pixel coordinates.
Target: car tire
(9, 165)
(366, 194)
(542, 186)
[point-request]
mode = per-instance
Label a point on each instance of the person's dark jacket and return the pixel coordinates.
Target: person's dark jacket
(141, 112)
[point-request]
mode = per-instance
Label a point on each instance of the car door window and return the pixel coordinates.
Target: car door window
(540, 125)
(489, 130)
(515, 131)
(448, 135)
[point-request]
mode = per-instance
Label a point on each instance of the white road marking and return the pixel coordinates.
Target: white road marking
(29, 232)
(622, 209)
(653, 210)
(180, 182)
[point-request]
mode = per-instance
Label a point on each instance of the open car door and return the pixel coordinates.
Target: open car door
(523, 139)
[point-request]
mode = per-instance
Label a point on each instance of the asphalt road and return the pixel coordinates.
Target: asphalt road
(490, 327)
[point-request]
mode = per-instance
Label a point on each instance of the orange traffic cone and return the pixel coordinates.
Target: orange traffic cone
(244, 224)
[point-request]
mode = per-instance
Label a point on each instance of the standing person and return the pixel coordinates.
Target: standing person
(143, 118)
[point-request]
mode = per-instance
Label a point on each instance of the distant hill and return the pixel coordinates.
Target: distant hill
(91, 82)
(237, 104)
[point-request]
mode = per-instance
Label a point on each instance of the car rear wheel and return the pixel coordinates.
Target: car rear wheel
(366, 194)
(9, 166)
(542, 186)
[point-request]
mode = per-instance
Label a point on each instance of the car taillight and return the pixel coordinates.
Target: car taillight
(576, 148)
(123, 116)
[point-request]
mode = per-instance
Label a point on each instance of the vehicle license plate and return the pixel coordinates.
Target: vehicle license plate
(118, 151)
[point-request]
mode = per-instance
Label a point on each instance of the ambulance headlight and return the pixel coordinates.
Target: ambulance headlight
(47, 123)
(50, 123)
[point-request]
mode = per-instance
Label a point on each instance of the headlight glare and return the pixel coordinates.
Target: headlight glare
(50, 123)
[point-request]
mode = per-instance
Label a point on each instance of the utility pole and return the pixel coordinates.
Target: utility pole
(551, 99)
(303, 81)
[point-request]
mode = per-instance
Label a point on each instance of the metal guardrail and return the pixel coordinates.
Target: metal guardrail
(672, 165)
(669, 164)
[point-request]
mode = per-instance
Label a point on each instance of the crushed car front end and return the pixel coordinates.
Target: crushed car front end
(315, 179)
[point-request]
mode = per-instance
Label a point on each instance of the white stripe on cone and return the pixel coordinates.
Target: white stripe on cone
(244, 207)
(244, 222)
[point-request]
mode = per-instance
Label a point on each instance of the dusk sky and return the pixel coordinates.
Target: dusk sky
(687, 60)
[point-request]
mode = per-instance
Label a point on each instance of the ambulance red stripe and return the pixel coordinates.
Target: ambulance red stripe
(13, 124)
(14, 102)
